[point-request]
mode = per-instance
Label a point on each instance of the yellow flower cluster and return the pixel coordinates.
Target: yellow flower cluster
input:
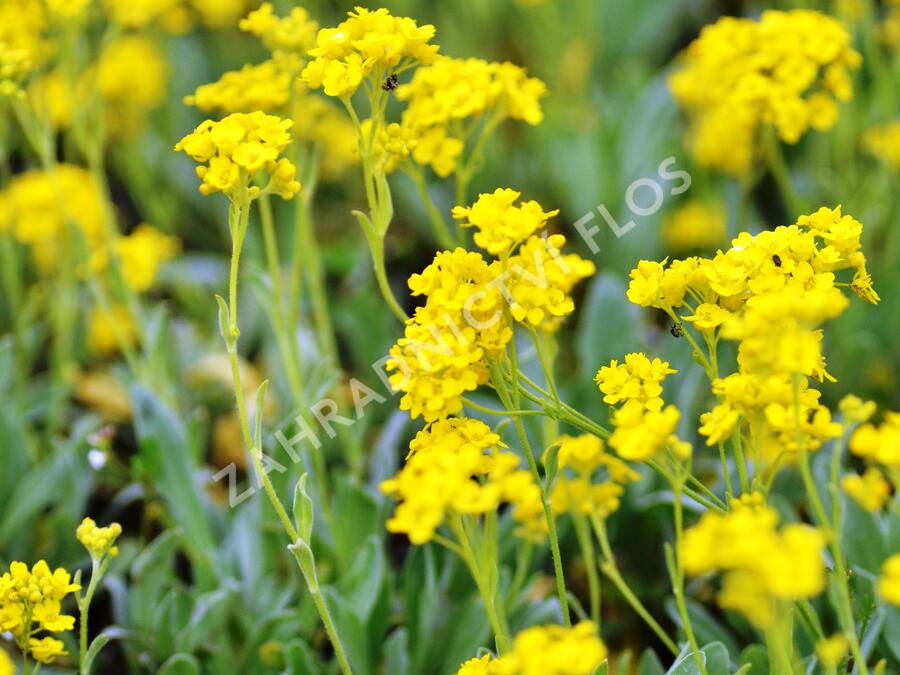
(870, 491)
(319, 122)
(136, 14)
(584, 455)
(442, 354)
(879, 444)
(545, 650)
(99, 541)
(141, 254)
(368, 42)
(131, 76)
(883, 141)
(235, 149)
(694, 226)
(51, 98)
(31, 602)
(642, 427)
(22, 43)
(540, 280)
(762, 565)
(109, 328)
(889, 28)
(637, 379)
(292, 34)
(463, 322)
(444, 94)
(770, 292)
(831, 650)
(500, 223)
(455, 466)
(38, 207)
(264, 87)
(787, 70)
(889, 581)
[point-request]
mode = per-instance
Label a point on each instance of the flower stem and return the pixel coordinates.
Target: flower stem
(676, 565)
(833, 536)
(611, 570)
(477, 567)
(238, 219)
(504, 393)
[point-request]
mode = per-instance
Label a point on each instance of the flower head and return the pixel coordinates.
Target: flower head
(235, 149)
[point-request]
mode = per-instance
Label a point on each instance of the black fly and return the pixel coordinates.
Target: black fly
(390, 83)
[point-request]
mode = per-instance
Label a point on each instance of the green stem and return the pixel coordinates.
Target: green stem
(678, 577)
(509, 403)
(586, 544)
(84, 604)
(611, 569)
(780, 172)
(442, 232)
(307, 255)
(546, 366)
(12, 284)
(283, 331)
(833, 536)
(494, 609)
(238, 220)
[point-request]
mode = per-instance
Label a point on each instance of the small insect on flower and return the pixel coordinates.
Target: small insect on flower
(777, 260)
(390, 83)
(675, 330)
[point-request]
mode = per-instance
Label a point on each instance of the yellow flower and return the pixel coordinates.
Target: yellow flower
(831, 650)
(39, 207)
(583, 453)
(295, 32)
(742, 75)
(883, 141)
(484, 665)
(879, 443)
(99, 541)
(140, 255)
(46, 649)
(545, 650)
(30, 602)
(264, 87)
(695, 225)
(540, 279)
(855, 409)
(131, 77)
(870, 491)
(762, 564)
(108, 329)
(718, 423)
(707, 317)
(437, 478)
(639, 433)
(501, 224)
(889, 581)
(367, 41)
(142, 13)
(637, 379)
(238, 147)
(52, 98)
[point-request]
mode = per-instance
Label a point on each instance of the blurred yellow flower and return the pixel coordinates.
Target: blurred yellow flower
(695, 225)
(109, 329)
(742, 75)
